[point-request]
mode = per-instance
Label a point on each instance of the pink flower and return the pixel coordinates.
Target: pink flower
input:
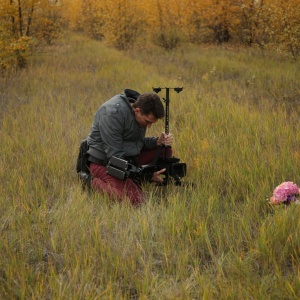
(286, 191)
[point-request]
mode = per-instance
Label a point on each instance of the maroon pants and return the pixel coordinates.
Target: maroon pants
(122, 189)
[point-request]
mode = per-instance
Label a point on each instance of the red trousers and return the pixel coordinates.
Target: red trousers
(122, 189)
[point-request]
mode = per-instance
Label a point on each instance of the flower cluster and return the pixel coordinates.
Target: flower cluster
(285, 193)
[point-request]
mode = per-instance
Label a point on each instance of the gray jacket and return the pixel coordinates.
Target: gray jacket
(115, 131)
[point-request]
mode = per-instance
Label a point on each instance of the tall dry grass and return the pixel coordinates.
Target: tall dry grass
(236, 126)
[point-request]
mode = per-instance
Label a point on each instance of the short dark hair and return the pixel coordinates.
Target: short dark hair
(150, 103)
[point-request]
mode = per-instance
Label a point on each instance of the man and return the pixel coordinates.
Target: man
(119, 130)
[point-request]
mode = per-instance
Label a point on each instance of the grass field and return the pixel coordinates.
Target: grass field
(236, 125)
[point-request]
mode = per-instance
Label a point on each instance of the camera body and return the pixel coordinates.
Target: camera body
(174, 169)
(122, 170)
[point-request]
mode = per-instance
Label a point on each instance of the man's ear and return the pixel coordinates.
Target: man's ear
(136, 110)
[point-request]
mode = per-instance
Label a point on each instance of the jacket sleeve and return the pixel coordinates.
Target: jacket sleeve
(150, 143)
(111, 130)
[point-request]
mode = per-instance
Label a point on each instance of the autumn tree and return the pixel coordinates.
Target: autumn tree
(50, 22)
(212, 20)
(73, 15)
(16, 20)
(284, 25)
(124, 22)
(225, 18)
(23, 23)
(196, 21)
(165, 22)
(92, 17)
(168, 23)
(252, 29)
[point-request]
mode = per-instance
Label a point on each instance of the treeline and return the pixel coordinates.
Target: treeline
(272, 24)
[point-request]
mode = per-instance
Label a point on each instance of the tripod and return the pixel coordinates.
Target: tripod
(174, 169)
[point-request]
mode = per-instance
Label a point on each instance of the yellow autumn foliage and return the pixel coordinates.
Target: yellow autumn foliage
(169, 23)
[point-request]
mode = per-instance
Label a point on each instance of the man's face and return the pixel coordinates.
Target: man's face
(144, 120)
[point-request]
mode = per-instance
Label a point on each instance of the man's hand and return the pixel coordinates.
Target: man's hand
(165, 139)
(157, 176)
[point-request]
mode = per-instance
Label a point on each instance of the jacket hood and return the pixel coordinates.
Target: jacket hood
(131, 95)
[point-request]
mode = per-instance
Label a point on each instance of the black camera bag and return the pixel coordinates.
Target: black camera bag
(82, 166)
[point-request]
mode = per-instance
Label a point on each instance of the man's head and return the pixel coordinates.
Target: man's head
(148, 109)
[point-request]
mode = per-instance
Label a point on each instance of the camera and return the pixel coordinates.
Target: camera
(122, 169)
(174, 169)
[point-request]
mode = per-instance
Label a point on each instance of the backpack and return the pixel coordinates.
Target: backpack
(82, 166)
